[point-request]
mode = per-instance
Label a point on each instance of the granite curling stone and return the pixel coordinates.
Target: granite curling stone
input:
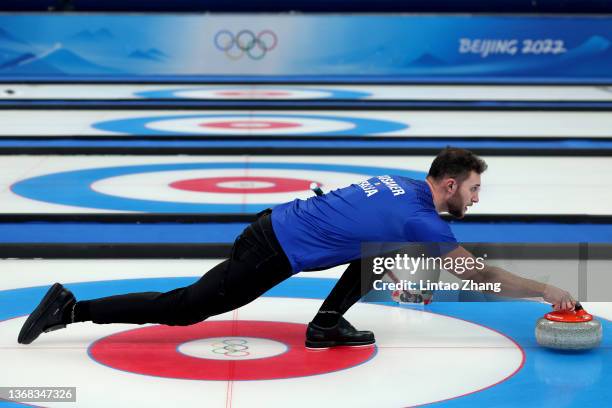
(569, 330)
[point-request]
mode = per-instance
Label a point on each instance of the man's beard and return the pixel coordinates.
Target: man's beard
(455, 206)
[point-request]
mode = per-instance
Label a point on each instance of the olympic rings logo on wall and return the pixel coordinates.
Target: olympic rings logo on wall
(245, 42)
(232, 348)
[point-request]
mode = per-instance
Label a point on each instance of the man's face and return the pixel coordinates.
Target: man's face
(463, 195)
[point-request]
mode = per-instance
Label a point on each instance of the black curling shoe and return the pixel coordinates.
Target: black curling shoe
(48, 314)
(342, 334)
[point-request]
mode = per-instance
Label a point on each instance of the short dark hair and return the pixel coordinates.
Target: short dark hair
(456, 163)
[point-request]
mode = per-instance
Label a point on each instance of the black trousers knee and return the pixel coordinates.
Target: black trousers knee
(257, 263)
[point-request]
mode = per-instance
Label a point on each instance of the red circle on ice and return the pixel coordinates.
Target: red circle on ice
(153, 351)
(250, 125)
(253, 93)
(247, 185)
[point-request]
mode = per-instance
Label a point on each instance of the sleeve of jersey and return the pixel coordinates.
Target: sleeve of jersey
(434, 231)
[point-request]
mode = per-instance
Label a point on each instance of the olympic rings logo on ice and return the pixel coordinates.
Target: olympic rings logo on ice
(245, 42)
(232, 348)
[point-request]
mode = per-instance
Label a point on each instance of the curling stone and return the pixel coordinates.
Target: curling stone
(316, 189)
(569, 330)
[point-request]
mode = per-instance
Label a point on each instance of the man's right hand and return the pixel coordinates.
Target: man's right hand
(559, 298)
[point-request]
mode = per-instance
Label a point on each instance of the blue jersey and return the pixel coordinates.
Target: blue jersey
(325, 231)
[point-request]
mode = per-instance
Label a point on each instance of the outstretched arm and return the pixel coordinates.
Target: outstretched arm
(512, 285)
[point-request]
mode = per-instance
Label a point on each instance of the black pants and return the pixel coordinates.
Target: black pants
(257, 263)
(355, 282)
